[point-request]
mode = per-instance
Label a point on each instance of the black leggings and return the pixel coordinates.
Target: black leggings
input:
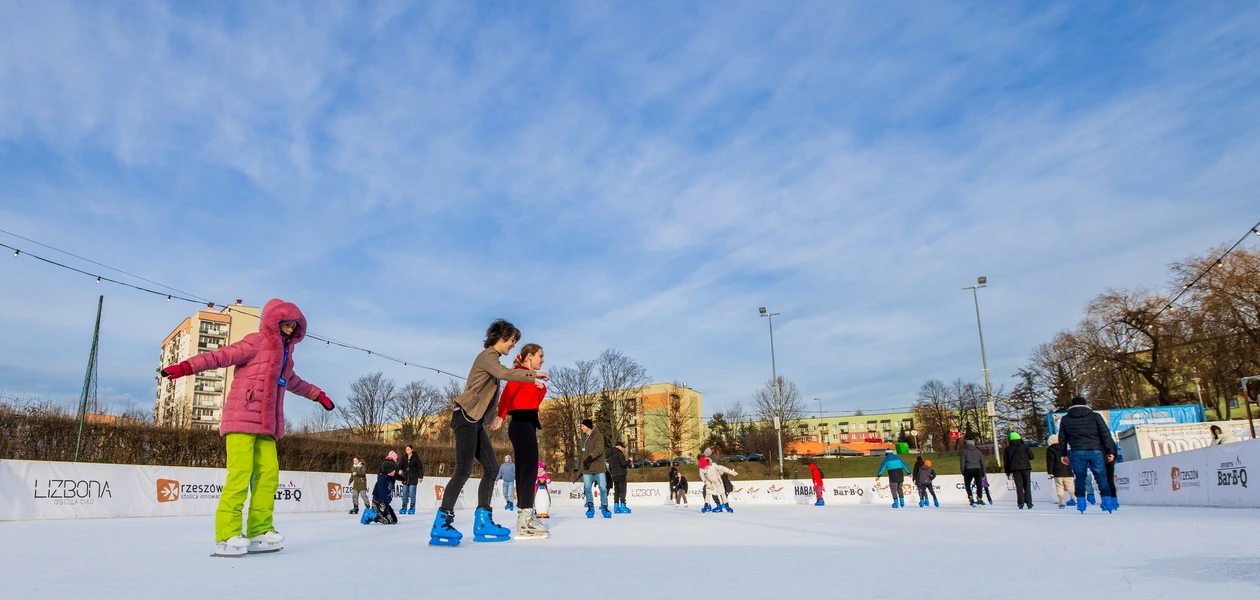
(925, 489)
(1110, 469)
(524, 436)
(471, 442)
(970, 477)
(1023, 486)
(619, 490)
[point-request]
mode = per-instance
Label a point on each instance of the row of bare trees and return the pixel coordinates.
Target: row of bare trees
(606, 389)
(1131, 349)
(376, 400)
(751, 429)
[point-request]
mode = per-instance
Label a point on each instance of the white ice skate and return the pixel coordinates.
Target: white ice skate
(529, 528)
(271, 541)
(232, 548)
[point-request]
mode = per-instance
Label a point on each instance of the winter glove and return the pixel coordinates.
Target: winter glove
(324, 401)
(182, 369)
(586, 464)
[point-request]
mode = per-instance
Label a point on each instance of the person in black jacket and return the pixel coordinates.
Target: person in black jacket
(1060, 474)
(412, 474)
(1085, 434)
(1019, 468)
(617, 465)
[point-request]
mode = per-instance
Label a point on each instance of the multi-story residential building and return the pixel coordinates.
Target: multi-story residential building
(197, 402)
(858, 433)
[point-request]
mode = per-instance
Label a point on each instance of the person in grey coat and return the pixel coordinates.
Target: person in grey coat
(971, 463)
(507, 473)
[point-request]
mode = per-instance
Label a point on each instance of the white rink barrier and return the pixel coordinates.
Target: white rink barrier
(59, 490)
(1213, 476)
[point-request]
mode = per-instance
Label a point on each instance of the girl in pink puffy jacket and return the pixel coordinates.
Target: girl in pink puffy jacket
(253, 419)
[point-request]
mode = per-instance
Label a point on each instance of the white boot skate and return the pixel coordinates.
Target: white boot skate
(525, 527)
(271, 541)
(231, 548)
(534, 522)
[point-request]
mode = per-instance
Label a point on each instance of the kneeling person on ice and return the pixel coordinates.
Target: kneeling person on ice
(253, 419)
(383, 493)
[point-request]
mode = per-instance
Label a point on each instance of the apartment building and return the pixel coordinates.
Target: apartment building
(197, 402)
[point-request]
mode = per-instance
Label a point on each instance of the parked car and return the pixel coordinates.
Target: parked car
(639, 464)
(664, 462)
(756, 458)
(683, 460)
(738, 458)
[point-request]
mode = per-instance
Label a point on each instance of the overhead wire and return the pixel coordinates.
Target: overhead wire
(194, 299)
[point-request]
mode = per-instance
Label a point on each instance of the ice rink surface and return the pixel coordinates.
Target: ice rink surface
(660, 552)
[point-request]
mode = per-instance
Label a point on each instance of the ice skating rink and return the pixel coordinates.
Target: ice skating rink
(660, 552)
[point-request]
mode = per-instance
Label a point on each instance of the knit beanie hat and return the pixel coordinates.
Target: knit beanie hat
(589, 424)
(1078, 401)
(708, 451)
(927, 463)
(392, 455)
(1014, 436)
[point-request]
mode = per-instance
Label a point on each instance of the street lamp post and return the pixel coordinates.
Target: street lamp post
(988, 387)
(774, 372)
(915, 433)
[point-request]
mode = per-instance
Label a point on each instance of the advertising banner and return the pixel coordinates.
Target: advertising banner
(1123, 418)
(1214, 476)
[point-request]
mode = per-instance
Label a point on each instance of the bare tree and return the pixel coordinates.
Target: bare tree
(369, 403)
(572, 392)
(321, 421)
(677, 424)
(787, 406)
(931, 412)
(621, 380)
(415, 409)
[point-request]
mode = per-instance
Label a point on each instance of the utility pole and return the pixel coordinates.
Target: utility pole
(89, 379)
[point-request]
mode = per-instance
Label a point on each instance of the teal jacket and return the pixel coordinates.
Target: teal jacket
(892, 462)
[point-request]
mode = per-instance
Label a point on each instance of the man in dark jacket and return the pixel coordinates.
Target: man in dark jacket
(1061, 475)
(971, 463)
(617, 465)
(593, 467)
(1085, 434)
(412, 473)
(1019, 468)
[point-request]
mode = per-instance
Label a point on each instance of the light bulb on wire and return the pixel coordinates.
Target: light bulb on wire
(98, 281)
(16, 253)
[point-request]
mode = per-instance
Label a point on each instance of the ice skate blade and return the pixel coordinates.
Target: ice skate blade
(487, 537)
(528, 536)
(268, 550)
(441, 541)
(217, 555)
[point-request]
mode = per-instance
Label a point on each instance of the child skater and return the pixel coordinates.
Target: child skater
(817, 475)
(253, 419)
(897, 471)
(383, 493)
(468, 421)
(521, 400)
(984, 482)
(542, 493)
(923, 478)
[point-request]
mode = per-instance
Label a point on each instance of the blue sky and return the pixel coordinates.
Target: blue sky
(631, 175)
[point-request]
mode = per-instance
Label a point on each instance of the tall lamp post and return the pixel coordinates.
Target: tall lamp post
(774, 372)
(988, 387)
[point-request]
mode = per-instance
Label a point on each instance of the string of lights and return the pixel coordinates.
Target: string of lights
(176, 294)
(1149, 324)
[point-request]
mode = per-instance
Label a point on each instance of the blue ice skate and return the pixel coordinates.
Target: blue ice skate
(486, 530)
(1071, 502)
(1091, 499)
(819, 503)
(369, 515)
(936, 503)
(590, 510)
(603, 510)
(703, 510)
(727, 508)
(625, 510)
(443, 534)
(1080, 505)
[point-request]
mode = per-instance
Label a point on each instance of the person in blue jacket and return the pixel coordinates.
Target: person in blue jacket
(897, 471)
(383, 493)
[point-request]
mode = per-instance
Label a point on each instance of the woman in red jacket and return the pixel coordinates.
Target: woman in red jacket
(521, 399)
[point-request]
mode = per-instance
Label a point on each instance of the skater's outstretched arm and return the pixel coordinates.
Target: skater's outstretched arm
(301, 387)
(227, 356)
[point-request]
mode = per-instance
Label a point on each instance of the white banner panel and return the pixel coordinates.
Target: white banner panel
(1213, 476)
